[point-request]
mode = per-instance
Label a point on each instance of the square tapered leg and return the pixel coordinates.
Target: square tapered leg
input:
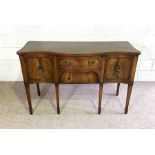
(117, 91)
(38, 89)
(100, 97)
(128, 97)
(27, 89)
(57, 97)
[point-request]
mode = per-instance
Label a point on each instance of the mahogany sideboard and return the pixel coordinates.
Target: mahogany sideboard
(78, 63)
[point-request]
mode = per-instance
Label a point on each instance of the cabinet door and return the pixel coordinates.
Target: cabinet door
(118, 68)
(40, 68)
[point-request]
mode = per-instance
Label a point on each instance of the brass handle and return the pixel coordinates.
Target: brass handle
(116, 68)
(91, 62)
(66, 62)
(40, 68)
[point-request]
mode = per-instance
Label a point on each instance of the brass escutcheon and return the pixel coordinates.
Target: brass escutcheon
(66, 62)
(91, 62)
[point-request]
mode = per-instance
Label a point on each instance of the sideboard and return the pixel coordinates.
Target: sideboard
(78, 63)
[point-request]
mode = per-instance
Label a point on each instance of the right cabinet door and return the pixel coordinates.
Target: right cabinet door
(118, 68)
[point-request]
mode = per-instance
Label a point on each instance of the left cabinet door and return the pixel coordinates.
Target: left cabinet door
(39, 68)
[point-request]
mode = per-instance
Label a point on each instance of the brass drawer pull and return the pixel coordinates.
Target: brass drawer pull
(91, 62)
(116, 69)
(66, 62)
(41, 68)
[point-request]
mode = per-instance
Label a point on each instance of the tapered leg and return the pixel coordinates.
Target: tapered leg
(57, 97)
(128, 97)
(38, 89)
(27, 89)
(117, 91)
(100, 97)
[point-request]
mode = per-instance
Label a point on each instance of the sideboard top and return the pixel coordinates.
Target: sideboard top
(68, 47)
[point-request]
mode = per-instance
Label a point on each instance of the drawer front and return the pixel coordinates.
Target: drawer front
(87, 62)
(39, 68)
(118, 68)
(72, 76)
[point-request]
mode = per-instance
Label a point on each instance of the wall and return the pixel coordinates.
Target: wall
(13, 37)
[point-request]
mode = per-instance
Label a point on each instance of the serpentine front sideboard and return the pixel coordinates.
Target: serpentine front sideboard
(78, 63)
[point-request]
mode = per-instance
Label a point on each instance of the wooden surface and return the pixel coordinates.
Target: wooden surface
(78, 47)
(78, 63)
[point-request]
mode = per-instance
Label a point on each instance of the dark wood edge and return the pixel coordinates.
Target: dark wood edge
(134, 68)
(55, 69)
(69, 54)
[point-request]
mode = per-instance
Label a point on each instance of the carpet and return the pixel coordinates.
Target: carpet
(79, 105)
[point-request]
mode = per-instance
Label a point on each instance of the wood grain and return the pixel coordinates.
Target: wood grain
(78, 63)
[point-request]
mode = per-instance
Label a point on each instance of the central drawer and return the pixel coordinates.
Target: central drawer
(77, 62)
(78, 76)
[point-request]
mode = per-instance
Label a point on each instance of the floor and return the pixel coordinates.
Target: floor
(78, 106)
